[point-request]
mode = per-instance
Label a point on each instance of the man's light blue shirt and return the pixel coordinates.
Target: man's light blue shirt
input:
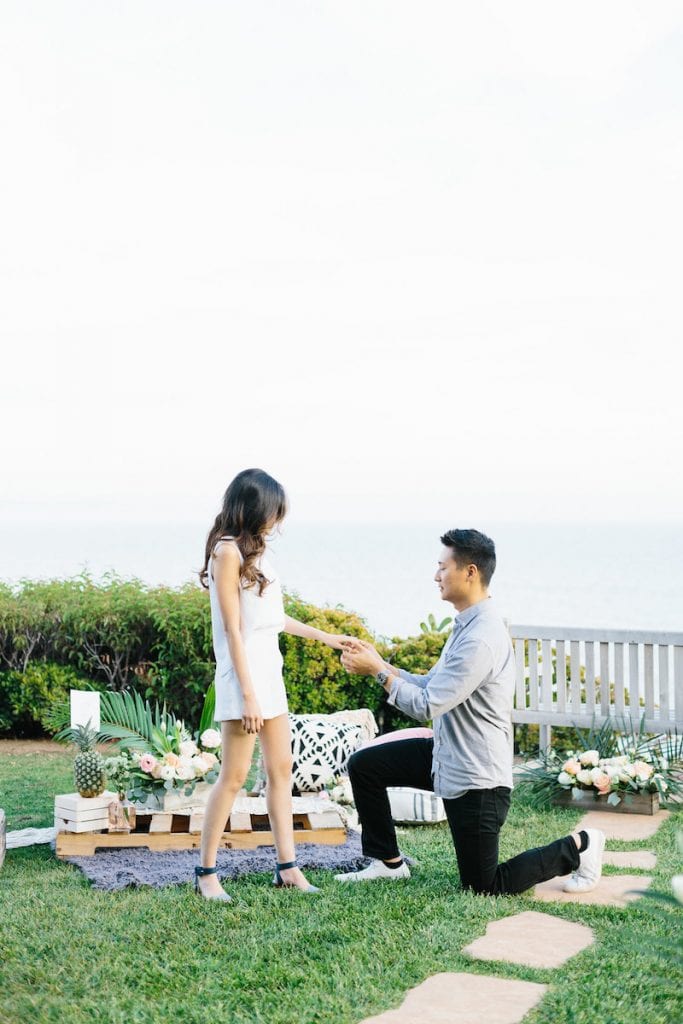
(468, 694)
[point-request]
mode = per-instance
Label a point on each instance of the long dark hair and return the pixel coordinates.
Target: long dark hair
(252, 502)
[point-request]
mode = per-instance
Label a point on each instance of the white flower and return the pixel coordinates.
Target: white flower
(596, 774)
(188, 748)
(167, 772)
(613, 771)
(200, 766)
(210, 738)
(585, 777)
(565, 779)
(590, 757)
(677, 886)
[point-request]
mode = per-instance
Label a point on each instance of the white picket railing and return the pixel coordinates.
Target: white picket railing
(643, 671)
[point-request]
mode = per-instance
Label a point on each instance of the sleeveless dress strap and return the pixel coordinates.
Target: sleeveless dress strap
(229, 540)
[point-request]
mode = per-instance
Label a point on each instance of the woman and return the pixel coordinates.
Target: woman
(247, 614)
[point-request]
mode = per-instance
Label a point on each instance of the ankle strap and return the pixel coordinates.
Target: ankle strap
(205, 871)
(289, 864)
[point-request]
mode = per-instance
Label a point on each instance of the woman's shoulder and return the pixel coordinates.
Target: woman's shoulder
(226, 552)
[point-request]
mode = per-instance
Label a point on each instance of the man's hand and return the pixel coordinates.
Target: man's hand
(361, 658)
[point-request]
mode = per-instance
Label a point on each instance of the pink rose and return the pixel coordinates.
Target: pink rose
(210, 759)
(602, 783)
(147, 762)
(171, 759)
(572, 766)
(643, 770)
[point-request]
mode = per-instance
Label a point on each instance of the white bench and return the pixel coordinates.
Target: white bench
(643, 670)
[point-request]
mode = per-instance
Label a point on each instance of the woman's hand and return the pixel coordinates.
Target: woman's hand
(360, 657)
(252, 719)
(337, 640)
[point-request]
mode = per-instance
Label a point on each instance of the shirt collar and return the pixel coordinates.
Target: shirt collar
(462, 618)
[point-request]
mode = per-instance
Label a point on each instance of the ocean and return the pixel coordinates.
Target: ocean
(621, 576)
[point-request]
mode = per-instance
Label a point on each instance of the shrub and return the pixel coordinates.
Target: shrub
(316, 682)
(120, 633)
(27, 698)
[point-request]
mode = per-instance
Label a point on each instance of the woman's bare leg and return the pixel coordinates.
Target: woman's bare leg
(237, 752)
(276, 745)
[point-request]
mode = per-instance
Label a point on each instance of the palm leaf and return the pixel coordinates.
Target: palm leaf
(130, 720)
(207, 720)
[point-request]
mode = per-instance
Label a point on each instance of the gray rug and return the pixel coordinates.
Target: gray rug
(116, 869)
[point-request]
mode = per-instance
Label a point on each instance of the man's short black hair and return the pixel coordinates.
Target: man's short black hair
(470, 547)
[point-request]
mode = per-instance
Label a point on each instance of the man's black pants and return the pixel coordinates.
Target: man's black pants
(475, 820)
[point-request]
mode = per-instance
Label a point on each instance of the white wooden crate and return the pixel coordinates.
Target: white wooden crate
(75, 813)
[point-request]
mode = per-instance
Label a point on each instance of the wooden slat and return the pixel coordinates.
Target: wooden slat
(649, 679)
(664, 701)
(520, 681)
(604, 678)
(590, 675)
(575, 674)
(553, 718)
(547, 676)
(619, 704)
(196, 819)
(678, 684)
(161, 823)
(533, 673)
(68, 844)
(634, 683)
(561, 676)
(614, 636)
(240, 821)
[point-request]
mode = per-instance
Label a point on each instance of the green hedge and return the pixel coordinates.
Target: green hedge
(60, 634)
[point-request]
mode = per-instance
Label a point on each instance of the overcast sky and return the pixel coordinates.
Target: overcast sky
(410, 258)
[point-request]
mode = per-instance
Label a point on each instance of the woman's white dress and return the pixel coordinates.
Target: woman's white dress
(261, 620)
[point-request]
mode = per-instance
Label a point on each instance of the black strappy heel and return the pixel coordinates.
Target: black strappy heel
(280, 884)
(198, 873)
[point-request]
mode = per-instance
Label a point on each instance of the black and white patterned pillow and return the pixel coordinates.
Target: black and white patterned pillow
(320, 749)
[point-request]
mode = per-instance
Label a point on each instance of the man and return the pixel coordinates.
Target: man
(468, 694)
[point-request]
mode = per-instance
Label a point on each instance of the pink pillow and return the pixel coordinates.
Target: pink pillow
(418, 733)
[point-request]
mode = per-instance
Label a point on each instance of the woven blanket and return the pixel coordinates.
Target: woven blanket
(117, 869)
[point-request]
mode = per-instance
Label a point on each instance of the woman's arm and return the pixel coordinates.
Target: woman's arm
(302, 629)
(226, 573)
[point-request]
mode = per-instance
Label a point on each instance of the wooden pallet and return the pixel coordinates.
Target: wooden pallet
(182, 831)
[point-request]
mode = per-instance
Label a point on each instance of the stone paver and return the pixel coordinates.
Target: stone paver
(611, 891)
(465, 999)
(624, 826)
(533, 939)
(630, 859)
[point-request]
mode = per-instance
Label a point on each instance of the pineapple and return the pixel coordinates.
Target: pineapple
(89, 772)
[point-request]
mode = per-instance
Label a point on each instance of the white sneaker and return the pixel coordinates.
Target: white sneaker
(377, 869)
(588, 873)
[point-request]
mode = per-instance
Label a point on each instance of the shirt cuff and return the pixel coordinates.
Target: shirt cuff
(393, 692)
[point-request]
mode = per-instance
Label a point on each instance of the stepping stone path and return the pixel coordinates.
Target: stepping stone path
(612, 891)
(531, 938)
(632, 827)
(465, 999)
(630, 859)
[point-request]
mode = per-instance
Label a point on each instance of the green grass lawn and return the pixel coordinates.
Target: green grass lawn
(71, 955)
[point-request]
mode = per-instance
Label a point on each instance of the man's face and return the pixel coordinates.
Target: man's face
(452, 580)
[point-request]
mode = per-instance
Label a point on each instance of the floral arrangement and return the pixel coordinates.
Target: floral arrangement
(173, 760)
(617, 765)
(612, 775)
(156, 752)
